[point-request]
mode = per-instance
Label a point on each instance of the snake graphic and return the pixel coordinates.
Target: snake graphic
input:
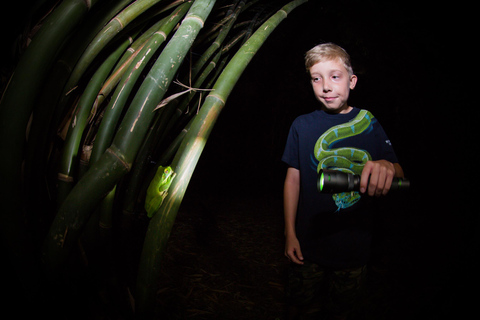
(344, 159)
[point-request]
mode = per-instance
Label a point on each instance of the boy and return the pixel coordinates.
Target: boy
(328, 237)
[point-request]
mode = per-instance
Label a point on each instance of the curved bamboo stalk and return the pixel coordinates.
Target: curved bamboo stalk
(16, 106)
(157, 135)
(187, 157)
(175, 109)
(117, 160)
(104, 136)
(224, 31)
(17, 102)
(125, 62)
(43, 126)
(117, 24)
(131, 53)
(66, 180)
(114, 109)
(181, 109)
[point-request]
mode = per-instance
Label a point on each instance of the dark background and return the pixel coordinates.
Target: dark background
(414, 61)
(413, 71)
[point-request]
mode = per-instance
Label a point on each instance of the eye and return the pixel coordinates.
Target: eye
(315, 79)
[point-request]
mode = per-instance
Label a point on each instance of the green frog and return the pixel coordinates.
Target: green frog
(157, 190)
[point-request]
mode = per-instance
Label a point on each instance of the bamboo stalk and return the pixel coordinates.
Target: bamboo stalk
(152, 39)
(117, 24)
(16, 106)
(125, 62)
(232, 17)
(161, 129)
(17, 102)
(122, 92)
(66, 179)
(187, 157)
(117, 160)
(43, 123)
(132, 52)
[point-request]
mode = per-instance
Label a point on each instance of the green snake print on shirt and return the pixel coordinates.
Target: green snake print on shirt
(344, 159)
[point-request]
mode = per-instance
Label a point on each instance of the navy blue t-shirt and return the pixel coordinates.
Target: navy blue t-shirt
(334, 230)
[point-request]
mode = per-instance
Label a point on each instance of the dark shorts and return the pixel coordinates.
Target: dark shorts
(316, 290)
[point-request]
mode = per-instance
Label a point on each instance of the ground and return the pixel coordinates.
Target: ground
(225, 261)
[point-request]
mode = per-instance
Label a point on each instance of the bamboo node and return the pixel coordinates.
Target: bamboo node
(120, 158)
(119, 21)
(64, 177)
(193, 17)
(217, 97)
(162, 34)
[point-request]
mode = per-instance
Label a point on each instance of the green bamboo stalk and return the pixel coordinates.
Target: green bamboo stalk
(224, 31)
(125, 62)
(15, 110)
(17, 102)
(132, 52)
(67, 165)
(171, 113)
(165, 158)
(161, 129)
(187, 157)
(213, 32)
(183, 116)
(117, 160)
(179, 109)
(42, 128)
(117, 24)
(115, 107)
(113, 111)
(124, 65)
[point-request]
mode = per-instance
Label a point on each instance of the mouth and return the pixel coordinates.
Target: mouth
(329, 99)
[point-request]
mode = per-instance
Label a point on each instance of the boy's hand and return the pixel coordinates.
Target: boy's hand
(292, 250)
(381, 174)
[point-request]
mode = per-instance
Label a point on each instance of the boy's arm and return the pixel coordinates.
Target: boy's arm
(377, 177)
(291, 193)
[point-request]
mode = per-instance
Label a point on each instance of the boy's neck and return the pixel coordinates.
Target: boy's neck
(343, 110)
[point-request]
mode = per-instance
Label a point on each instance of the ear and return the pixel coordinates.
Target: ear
(353, 81)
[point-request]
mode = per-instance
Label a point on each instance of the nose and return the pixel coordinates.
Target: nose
(326, 86)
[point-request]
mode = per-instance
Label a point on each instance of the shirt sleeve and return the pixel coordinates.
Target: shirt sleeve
(291, 152)
(386, 149)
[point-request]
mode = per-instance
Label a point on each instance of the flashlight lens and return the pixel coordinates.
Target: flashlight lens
(321, 181)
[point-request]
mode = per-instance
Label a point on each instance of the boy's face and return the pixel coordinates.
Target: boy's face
(331, 84)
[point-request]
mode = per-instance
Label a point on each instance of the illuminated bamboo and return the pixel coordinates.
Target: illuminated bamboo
(187, 157)
(69, 159)
(117, 160)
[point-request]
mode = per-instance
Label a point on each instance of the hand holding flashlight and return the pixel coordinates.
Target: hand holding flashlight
(334, 181)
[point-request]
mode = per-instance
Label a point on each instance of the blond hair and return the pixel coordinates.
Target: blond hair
(326, 52)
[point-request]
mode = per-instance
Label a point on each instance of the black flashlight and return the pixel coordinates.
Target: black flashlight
(334, 181)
